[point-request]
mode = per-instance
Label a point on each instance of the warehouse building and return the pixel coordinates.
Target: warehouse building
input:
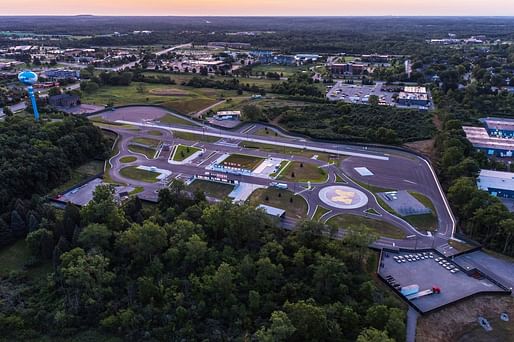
(497, 183)
(490, 145)
(499, 127)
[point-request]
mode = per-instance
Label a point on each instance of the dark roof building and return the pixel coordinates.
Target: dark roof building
(64, 100)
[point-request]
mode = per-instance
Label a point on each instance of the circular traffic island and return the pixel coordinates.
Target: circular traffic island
(343, 197)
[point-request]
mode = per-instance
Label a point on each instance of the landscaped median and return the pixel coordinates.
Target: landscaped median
(294, 205)
(133, 172)
(183, 152)
(303, 172)
(145, 146)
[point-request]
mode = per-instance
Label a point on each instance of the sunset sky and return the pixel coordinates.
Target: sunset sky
(259, 7)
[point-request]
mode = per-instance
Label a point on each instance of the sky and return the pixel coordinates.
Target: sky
(260, 7)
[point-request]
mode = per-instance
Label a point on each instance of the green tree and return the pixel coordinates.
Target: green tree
(281, 328)
(374, 335)
(95, 236)
(41, 243)
(251, 113)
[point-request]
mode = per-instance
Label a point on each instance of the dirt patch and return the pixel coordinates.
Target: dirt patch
(425, 147)
(456, 322)
(168, 92)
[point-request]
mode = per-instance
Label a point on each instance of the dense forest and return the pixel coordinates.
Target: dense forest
(189, 270)
(355, 122)
(34, 158)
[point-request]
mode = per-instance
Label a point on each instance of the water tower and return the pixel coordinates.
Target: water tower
(29, 78)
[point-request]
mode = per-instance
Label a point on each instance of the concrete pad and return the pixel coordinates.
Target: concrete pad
(363, 171)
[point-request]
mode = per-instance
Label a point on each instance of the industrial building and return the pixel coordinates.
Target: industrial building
(497, 183)
(491, 145)
(499, 127)
(59, 74)
(64, 100)
(414, 96)
(347, 69)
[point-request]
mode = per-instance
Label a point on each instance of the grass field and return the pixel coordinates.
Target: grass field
(149, 142)
(320, 211)
(307, 172)
(183, 152)
(133, 172)
(297, 208)
(427, 221)
(380, 227)
(284, 150)
(285, 70)
(14, 257)
(148, 152)
(243, 161)
(80, 174)
(269, 133)
(195, 137)
(173, 119)
(502, 331)
(193, 100)
(212, 189)
(128, 159)
(155, 133)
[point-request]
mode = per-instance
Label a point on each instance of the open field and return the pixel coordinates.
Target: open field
(133, 172)
(172, 119)
(380, 227)
(128, 159)
(212, 189)
(283, 70)
(303, 172)
(14, 257)
(243, 161)
(284, 150)
(297, 208)
(152, 143)
(191, 100)
(195, 137)
(183, 152)
(148, 152)
(80, 174)
(427, 221)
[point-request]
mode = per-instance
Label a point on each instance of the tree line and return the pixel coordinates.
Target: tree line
(196, 271)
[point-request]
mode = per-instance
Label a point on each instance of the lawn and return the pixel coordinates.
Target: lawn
(149, 142)
(173, 119)
(128, 159)
(195, 137)
(14, 257)
(148, 152)
(243, 161)
(133, 172)
(212, 189)
(192, 100)
(280, 168)
(183, 152)
(340, 179)
(380, 227)
(80, 174)
(294, 205)
(285, 70)
(303, 172)
(284, 150)
(320, 211)
(155, 133)
(268, 133)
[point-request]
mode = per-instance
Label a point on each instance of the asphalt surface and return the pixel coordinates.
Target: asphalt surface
(392, 169)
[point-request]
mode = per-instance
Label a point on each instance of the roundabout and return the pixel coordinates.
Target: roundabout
(343, 197)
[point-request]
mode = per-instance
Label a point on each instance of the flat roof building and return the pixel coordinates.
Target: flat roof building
(415, 90)
(497, 183)
(272, 211)
(491, 145)
(499, 127)
(228, 115)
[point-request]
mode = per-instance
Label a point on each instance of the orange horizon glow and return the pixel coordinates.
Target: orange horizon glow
(260, 8)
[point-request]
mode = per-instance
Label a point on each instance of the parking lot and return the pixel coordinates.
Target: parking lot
(356, 93)
(429, 271)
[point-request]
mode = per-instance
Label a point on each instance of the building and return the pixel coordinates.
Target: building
(228, 115)
(59, 74)
(307, 57)
(490, 145)
(347, 69)
(272, 211)
(276, 59)
(497, 183)
(64, 100)
(499, 127)
(414, 96)
(375, 58)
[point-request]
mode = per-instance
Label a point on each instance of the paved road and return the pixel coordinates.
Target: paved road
(392, 169)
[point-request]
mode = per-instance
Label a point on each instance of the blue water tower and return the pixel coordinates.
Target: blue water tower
(29, 78)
